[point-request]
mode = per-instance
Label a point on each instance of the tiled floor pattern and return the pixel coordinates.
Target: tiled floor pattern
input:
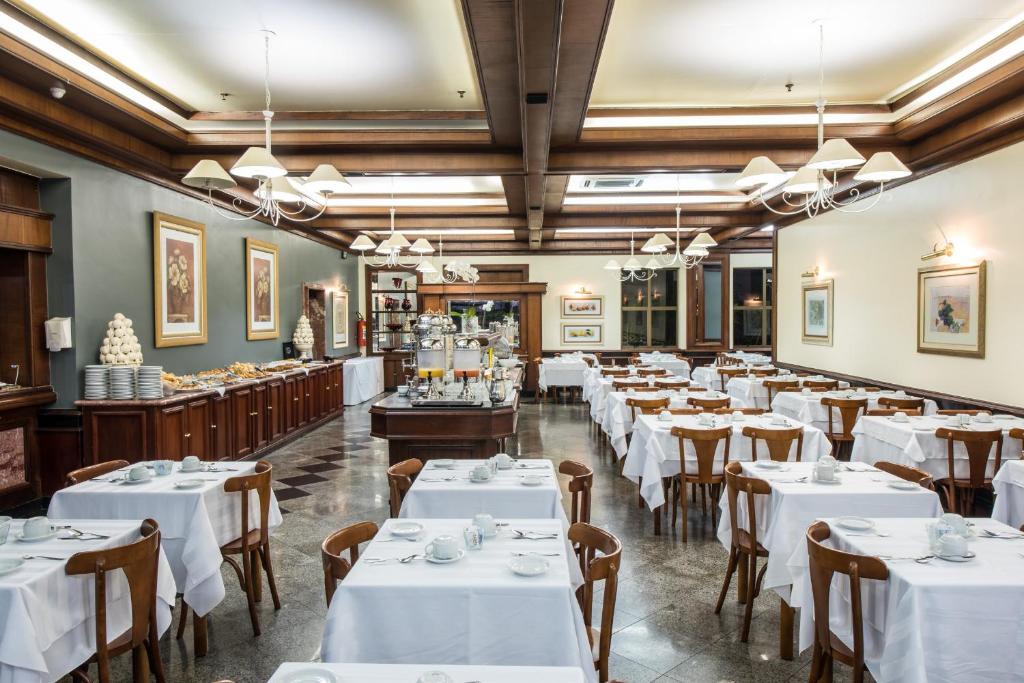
(665, 628)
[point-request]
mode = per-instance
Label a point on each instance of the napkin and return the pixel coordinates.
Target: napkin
(859, 467)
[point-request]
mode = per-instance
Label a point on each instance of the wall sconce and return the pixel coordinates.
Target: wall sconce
(811, 273)
(582, 290)
(937, 251)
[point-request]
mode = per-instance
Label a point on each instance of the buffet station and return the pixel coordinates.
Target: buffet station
(461, 396)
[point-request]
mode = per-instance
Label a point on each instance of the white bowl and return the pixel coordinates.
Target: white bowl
(406, 529)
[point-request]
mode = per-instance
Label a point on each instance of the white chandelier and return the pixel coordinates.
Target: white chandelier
(275, 187)
(813, 188)
(689, 257)
(450, 273)
(389, 251)
(632, 270)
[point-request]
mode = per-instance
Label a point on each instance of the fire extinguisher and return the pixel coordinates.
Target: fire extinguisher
(360, 329)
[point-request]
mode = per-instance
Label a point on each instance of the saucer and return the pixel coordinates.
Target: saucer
(435, 677)
(190, 469)
(312, 675)
(531, 482)
(438, 560)
(966, 557)
(509, 466)
(406, 529)
(830, 482)
(10, 564)
(131, 482)
(893, 418)
(528, 565)
(444, 464)
(855, 523)
(36, 539)
(480, 481)
(768, 464)
(188, 484)
(904, 485)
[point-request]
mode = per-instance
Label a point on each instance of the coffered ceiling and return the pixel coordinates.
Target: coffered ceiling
(581, 122)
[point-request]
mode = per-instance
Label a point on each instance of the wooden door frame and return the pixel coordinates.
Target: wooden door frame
(695, 295)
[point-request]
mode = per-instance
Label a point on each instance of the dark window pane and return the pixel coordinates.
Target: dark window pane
(634, 328)
(768, 327)
(747, 286)
(664, 290)
(712, 302)
(634, 294)
(663, 328)
(768, 287)
(747, 327)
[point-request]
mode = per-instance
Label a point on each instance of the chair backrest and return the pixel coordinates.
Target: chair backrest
(348, 539)
(908, 473)
(258, 481)
(652, 372)
(813, 390)
(765, 372)
(600, 555)
(1018, 433)
(400, 481)
(825, 383)
(901, 403)
(735, 485)
(779, 441)
(693, 388)
(963, 411)
(591, 362)
(140, 562)
(725, 374)
(672, 383)
(626, 386)
(580, 483)
(774, 386)
(99, 469)
(709, 403)
(889, 412)
(615, 372)
(825, 562)
(871, 390)
(635, 403)
(849, 410)
(705, 444)
(745, 411)
(674, 411)
(979, 445)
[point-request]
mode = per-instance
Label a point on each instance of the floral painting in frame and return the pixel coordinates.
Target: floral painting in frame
(817, 313)
(583, 306)
(581, 334)
(261, 302)
(340, 315)
(951, 310)
(179, 281)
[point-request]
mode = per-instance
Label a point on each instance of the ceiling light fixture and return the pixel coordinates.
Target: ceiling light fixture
(449, 273)
(687, 258)
(274, 186)
(632, 270)
(814, 186)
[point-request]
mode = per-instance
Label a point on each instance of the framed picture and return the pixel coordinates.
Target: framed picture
(817, 313)
(340, 313)
(261, 304)
(581, 334)
(583, 306)
(951, 310)
(179, 281)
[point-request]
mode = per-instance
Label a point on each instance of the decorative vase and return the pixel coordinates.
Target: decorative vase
(305, 350)
(471, 324)
(406, 304)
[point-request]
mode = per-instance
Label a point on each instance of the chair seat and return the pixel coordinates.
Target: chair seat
(235, 547)
(743, 540)
(839, 650)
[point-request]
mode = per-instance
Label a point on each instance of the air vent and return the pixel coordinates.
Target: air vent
(613, 182)
(536, 98)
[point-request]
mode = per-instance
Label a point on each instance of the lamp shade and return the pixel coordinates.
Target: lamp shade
(760, 171)
(421, 246)
(426, 267)
(612, 265)
(882, 167)
(281, 190)
(695, 251)
(834, 155)
(362, 243)
(257, 163)
(703, 241)
(652, 264)
(209, 175)
(632, 264)
(805, 181)
(397, 241)
(326, 179)
(657, 244)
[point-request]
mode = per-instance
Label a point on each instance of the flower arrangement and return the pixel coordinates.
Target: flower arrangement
(178, 275)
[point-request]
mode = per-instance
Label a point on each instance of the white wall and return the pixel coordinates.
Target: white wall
(874, 257)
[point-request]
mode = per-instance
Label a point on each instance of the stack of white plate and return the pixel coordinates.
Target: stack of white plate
(96, 382)
(122, 382)
(148, 382)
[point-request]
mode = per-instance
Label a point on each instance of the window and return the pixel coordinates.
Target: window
(752, 306)
(649, 311)
(707, 304)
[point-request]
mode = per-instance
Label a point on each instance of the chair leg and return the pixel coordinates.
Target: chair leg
(250, 596)
(675, 500)
(183, 618)
(269, 569)
(704, 500)
(729, 570)
(156, 666)
(714, 508)
(748, 612)
(683, 504)
(257, 576)
(140, 665)
(786, 614)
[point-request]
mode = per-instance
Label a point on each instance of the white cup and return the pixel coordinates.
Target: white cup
(163, 467)
(481, 473)
(705, 419)
(956, 522)
(806, 391)
(983, 418)
(37, 527)
(138, 473)
(504, 460)
(486, 522)
(191, 462)
(953, 420)
(899, 416)
(824, 471)
(953, 545)
(861, 390)
(403, 390)
(665, 416)
(5, 528)
(443, 547)
(738, 416)
(778, 420)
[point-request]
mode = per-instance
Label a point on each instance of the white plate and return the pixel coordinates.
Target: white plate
(133, 482)
(189, 484)
(480, 481)
(768, 464)
(967, 557)
(194, 470)
(1003, 417)
(528, 565)
(404, 529)
(36, 539)
(832, 482)
(443, 464)
(10, 564)
(904, 485)
(855, 523)
(438, 560)
(316, 675)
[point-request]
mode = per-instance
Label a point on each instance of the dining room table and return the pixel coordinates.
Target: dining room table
(290, 672)
(362, 379)
(667, 361)
(444, 490)
(602, 386)
(752, 391)
(707, 375)
(808, 408)
(933, 619)
(913, 442)
(563, 371)
(48, 618)
(1009, 489)
(472, 610)
(195, 514)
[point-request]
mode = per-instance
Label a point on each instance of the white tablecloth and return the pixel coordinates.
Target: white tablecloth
(940, 622)
(1009, 486)
(654, 453)
(753, 392)
(751, 358)
(408, 673)
(363, 379)
(432, 496)
(194, 523)
(677, 366)
(559, 372)
(47, 618)
(783, 517)
(618, 417)
(474, 611)
(914, 443)
(601, 387)
(808, 408)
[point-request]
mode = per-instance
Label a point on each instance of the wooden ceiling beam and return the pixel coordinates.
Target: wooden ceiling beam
(372, 162)
(361, 115)
(240, 139)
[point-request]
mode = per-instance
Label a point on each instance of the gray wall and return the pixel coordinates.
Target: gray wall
(108, 267)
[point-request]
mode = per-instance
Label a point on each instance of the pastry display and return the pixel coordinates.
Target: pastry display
(303, 337)
(120, 346)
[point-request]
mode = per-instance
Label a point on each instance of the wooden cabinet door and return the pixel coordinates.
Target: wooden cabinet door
(322, 386)
(275, 409)
(259, 416)
(171, 428)
(241, 422)
(197, 436)
(337, 397)
(220, 427)
(302, 402)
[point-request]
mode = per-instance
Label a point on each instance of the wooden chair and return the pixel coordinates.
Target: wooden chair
(581, 481)
(722, 359)
(600, 558)
(774, 386)
(348, 539)
(813, 390)
(743, 545)
(674, 411)
(824, 564)
(709, 403)
(725, 374)
(764, 372)
(672, 383)
(979, 445)
(140, 563)
(614, 372)
(779, 442)
(635, 403)
(694, 389)
(901, 403)
(871, 390)
(889, 412)
(652, 372)
(745, 411)
(849, 410)
(626, 386)
(400, 481)
(591, 362)
(827, 384)
(705, 444)
(1018, 433)
(92, 471)
(963, 411)
(907, 473)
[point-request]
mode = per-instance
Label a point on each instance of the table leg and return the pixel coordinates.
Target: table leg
(200, 639)
(785, 630)
(657, 519)
(741, 580)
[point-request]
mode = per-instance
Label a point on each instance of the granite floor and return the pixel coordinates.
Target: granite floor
(665, 627)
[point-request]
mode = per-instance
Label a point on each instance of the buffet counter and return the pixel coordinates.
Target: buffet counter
(235, 421)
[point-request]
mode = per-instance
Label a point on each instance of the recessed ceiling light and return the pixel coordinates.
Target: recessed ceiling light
(385, 202)
(768, 228)
(670, 199)
(495, 232)
(620, 230)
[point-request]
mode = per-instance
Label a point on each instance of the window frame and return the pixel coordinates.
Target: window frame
(648, 310)
(766, 307)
